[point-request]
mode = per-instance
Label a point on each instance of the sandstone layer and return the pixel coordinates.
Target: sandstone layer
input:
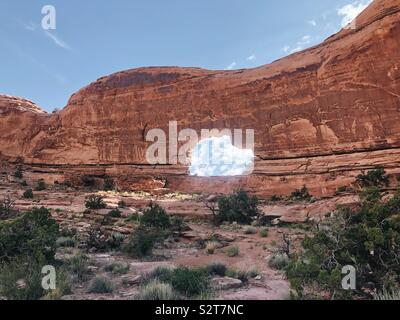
(320, 117)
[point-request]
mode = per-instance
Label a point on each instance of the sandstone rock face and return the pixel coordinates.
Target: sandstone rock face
(320, 116)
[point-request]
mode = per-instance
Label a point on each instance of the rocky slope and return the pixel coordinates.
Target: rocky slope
(320, 116)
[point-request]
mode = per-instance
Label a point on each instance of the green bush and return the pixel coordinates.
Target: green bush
(34, 234)
(6, 207)
(115, 241)
(264, 233)
(156, 290)
(279, 261)
(190, 282)
(78, 266)
(142, 241)
(374, 178)
(97, 239)
(366, 237)
(217, 269)
(95, 202)
(115, 213)
(18, 173)
(117, 268)
(28, 194)
(301, 194)
(40, 186)
(65, 242)
(101, 285)
(21, 279)
(238, 207)
(155, 217)
(232, 252)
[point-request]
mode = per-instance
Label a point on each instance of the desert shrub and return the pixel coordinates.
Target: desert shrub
(115, 241)
(133, 217)
(250, 230)
(34, 234)
(101, 285)
(6, 206)
(115, 213)
(95, 202)
(117, 268)
(40, 186)
(301, 194)
(264, 233)
(376, 177)
(238, 207)
(217, 269)
(24, 183)
(21, 279)
(142, 241)
(232, 251)
(78, 266)
(65, 242)
(156, 290)
(109, 184)
(18, 173)
(189, 281)
(28, 194)
(279, 261)
(211, 247)
(366, 237)
(97, 239)
(155, 217)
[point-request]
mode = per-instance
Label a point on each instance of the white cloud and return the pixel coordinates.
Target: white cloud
(313, 23)
(251, 58)
(30, 26)
(59, 42)
(300, 45)
(231, 66)
(218, 157)
(350, 11)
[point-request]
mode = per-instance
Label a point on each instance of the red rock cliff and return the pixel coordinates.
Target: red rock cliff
(317, 115)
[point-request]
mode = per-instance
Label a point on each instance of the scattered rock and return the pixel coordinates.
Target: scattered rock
(225, 283)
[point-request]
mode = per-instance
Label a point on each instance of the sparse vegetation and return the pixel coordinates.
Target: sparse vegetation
(264, 233)
(156, 290)
(28, 194)
(117, 268)
(217, 269)
(211, 247)
(40, 185)
(232, 251)
(101, 285)
(115, 213)
(18, 173)
(6, 206)
(250, 230)
(95, 202)
(366, 237)
(66, 242)
(374, 178)
(301, 195)
(279, 261)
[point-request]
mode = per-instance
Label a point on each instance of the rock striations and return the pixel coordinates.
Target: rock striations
(320, 116)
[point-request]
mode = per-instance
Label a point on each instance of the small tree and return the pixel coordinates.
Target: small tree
(238, 207)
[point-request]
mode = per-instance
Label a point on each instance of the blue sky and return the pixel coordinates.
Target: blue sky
(94, 38)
